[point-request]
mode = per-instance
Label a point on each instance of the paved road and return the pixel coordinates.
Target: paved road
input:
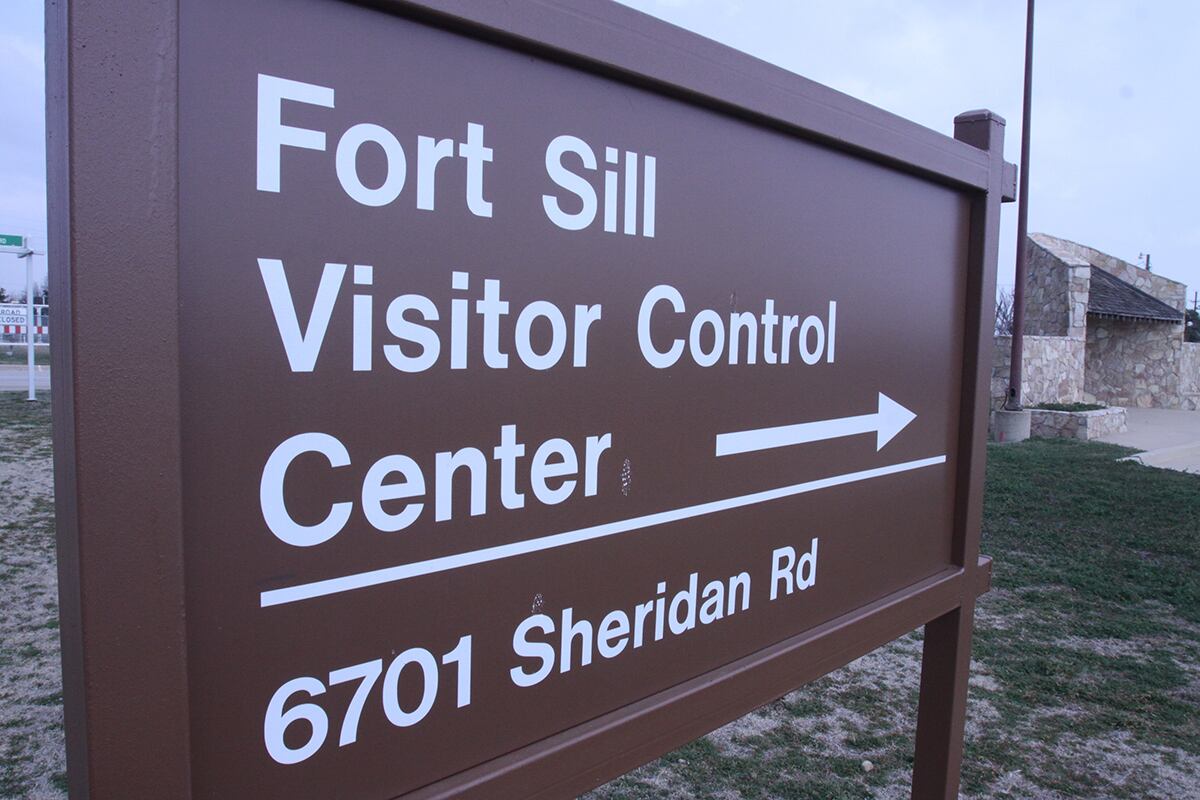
(14, 378)
(1168, 438)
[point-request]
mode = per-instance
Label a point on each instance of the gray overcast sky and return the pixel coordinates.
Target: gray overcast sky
(1113, 156)
(1115, 162)
(22, 135)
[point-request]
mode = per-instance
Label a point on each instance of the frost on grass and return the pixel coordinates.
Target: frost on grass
(810, 743)
(1099, 724)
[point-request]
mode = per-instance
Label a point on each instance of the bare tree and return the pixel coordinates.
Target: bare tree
(1004, 313)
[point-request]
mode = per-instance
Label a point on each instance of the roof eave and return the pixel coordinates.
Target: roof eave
(1136, 318)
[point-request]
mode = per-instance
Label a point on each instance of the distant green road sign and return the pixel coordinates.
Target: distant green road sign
(11, 240)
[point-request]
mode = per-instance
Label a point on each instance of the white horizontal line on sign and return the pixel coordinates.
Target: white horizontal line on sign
(361, 580)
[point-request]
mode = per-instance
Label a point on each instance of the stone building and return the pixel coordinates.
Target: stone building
(1102, 330)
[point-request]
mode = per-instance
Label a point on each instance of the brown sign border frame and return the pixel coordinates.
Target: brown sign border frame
(112, 149)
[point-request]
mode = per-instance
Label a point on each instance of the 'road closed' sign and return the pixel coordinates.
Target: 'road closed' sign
(525, 410)
(12, 314)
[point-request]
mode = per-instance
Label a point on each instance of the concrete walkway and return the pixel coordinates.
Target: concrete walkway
(1169, 439)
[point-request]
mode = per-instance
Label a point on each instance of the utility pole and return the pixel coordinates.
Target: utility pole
(1013, 403)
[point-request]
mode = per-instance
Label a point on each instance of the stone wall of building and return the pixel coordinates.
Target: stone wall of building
(1046, 303)
(1079, 286)
(1117, 362)
(1053, 371)
(1189, 376)
(1134, 363)
(1056, 293)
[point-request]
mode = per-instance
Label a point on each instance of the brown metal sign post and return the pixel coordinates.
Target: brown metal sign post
(1017, 357)
(516, 393)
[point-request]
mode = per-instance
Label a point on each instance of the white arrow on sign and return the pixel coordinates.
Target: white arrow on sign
(885, 424)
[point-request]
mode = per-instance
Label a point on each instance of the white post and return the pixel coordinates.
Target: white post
(29, 326)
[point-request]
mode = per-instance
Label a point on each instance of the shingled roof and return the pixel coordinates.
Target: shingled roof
(1112, 297)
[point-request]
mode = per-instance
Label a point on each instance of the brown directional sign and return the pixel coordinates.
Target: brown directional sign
(516, 393)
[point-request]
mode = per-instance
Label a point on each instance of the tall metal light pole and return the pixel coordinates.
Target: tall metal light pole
(1013, 403)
